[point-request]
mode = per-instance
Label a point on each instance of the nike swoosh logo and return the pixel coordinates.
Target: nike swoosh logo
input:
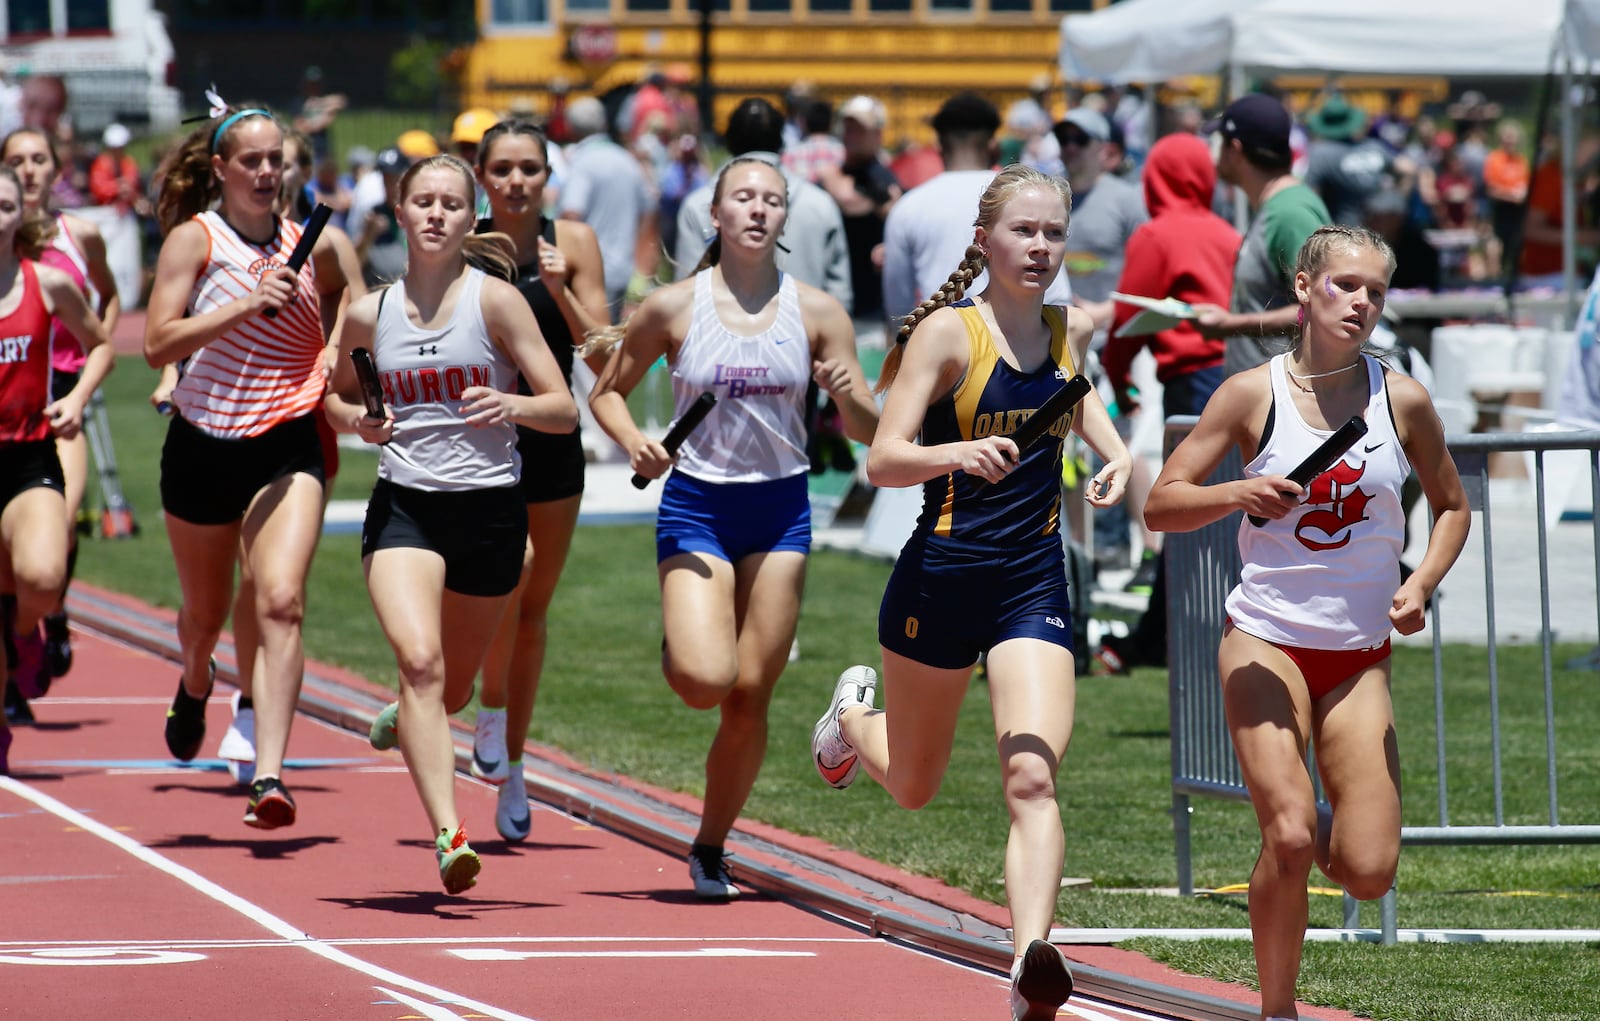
(1375, 446)
(483, 766)
(837, 773)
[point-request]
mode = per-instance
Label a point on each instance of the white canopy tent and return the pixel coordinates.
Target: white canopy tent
(1155, 40)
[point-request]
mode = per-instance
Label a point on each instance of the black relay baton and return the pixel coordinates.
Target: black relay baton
(681, 429)
(1320, 460)
(1049, 413)
(367, 376)
(308, 240)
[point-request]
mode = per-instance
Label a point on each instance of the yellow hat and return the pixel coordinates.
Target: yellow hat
(417, 144)
(471, 125)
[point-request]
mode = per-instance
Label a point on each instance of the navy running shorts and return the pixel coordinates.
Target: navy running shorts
(207, 480)
(732, 520)
(480, 533)
(29, 465)
(944, 604)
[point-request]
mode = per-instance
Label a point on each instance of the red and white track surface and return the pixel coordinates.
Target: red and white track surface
(132, 890)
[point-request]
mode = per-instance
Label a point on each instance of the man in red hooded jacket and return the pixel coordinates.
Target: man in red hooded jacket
(1186, 252)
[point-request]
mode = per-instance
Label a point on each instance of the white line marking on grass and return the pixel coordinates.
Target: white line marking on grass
(261, 916)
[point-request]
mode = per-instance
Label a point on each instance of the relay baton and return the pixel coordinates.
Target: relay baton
(1050, 412)
(681, 429)
(1320, 460)
(308, 240)
(367, 375)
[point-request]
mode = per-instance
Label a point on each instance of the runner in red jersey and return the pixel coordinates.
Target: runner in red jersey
(33, 508)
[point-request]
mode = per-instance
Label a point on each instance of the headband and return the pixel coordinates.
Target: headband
(230, 119)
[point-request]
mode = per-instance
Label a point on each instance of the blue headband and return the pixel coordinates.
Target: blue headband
(227, 122)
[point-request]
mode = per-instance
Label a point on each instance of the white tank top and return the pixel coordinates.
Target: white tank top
(263, 372)
(424, 373)
(757, 431)
(1324, 575)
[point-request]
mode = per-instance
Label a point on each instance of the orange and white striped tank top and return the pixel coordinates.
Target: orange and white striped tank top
(263, 372)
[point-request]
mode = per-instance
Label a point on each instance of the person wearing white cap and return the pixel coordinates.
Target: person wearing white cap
(114, 184)
(865, 189)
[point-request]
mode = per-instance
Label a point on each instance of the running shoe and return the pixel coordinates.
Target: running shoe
(186, 720)
(383, 734)
(458, 862)
(270, 805)
(489, 747)
(834, 756)
(511, 814)
(708, 868)
(33, 673)
(18, 712)
(57, 644)
(1040, 983)
(238, 748)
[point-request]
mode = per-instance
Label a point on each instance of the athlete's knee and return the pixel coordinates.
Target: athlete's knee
(700, 682)
(913, 790)
(1289, 842)
(280, 601)
(421, 663)
(1368, 873)
(1029, 779)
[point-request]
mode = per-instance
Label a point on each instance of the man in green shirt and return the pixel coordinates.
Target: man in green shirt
(1255, 156)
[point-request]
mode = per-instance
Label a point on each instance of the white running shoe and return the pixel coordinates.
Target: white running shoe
(238, 748)
(511, 813)
(834, 756)
(709, 871)
(1040, 983)
(489, 747)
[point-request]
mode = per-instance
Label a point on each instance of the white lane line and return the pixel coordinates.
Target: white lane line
(261, 916)
(426, 1009)
(495, 954)
(419, 941)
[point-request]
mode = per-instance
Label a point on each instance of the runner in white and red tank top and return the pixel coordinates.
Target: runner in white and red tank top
(242, 466)
(32, 505)
(1305, 655)
(77, 249)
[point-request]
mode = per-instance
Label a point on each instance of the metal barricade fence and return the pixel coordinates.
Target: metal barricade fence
(1203, 566)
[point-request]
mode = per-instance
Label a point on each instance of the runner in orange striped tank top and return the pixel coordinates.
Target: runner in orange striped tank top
(32, 506)
(242, 470)
(78, 249)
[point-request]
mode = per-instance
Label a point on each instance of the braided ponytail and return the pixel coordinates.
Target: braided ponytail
(951, 291)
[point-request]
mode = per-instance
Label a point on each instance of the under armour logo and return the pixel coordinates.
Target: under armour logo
(429, 350)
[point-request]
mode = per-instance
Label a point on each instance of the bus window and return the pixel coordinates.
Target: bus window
(28, 17)
(830, 6)
(588, 6)
(86, 16)
(965, 6)
(889, 6)
(773, 6)
(649, 6)
(519, 12)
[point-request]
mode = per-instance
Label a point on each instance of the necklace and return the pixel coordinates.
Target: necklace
(1299, 378)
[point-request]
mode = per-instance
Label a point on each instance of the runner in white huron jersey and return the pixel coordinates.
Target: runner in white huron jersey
(445, 528)
(734, 525)
(1305, 654)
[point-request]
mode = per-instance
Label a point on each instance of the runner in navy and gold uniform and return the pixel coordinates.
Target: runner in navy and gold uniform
(984, 570)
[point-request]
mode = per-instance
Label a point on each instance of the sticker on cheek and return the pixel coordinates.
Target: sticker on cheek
(1327, 285)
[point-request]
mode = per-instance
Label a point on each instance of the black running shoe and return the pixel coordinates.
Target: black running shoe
(270, 805)
(186, 721)
(57, 645)
(18, 712)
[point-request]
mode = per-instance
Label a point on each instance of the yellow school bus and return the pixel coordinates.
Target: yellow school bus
(911, 54)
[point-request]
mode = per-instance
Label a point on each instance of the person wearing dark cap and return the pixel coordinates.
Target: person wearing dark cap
(1255, 157)
(1106, 210)
(814, 247)
(927, 232)
(380, 244)
(1346, 168)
